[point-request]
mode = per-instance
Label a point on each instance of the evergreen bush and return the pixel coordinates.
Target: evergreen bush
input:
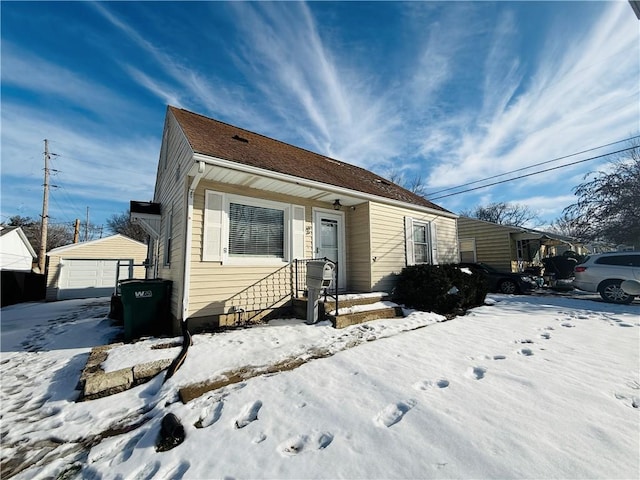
(443, 289)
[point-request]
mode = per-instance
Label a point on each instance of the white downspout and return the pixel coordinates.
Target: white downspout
(186, 283)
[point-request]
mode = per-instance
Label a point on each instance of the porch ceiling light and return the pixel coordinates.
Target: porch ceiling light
(337, 205)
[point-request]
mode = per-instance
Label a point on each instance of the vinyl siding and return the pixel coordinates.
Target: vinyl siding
(115, 247)
(217, 288)
(493, 242)
(359, 248)
(170, 192)
(388, 242)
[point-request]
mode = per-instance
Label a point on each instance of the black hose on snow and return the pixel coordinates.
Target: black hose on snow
(178, 361)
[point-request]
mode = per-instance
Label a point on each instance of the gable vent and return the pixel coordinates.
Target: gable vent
(240, 139)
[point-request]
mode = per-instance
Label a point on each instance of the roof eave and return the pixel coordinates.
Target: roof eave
(220, 162)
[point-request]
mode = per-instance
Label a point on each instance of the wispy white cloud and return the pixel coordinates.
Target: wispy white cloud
(178, 83)
(582, 94)
(88, 168)
(327, 103)
(38, 76)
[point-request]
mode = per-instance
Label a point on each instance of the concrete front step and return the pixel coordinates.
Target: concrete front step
(351, 300)
(347, 319)
(353, 308)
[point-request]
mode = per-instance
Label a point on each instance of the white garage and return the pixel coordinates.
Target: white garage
(91, 278)
(90, 269)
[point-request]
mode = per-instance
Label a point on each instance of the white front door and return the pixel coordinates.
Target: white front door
(329, 241)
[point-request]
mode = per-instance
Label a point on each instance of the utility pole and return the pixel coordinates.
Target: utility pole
(45, 210)
(86, 227)
(76, 231)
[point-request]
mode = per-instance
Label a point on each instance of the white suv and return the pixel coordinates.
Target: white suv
(604, 272)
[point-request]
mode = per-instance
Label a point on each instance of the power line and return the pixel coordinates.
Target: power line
(532, 173)
(531, 166)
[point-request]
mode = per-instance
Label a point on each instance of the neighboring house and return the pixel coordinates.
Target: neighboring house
(16, 253)
(19, 283)
(234, 212)
(510, 248)
(89, 269)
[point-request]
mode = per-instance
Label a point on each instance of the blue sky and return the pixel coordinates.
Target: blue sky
(452, 92)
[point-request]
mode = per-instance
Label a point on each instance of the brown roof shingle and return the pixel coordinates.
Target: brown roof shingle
(217, 139)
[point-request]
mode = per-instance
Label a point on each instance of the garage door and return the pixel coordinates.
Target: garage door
(90, 278)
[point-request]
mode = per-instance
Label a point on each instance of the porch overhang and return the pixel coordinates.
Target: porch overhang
(233, 173)
(544, 238)
(147, 215)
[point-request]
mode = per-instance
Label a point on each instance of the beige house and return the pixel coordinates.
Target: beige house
(89, 269)
(236, 214)
(510, 248)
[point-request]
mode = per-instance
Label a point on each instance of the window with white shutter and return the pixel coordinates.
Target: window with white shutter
(247, 230)
(212, 228)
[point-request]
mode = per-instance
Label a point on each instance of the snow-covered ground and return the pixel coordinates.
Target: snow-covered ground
(529, 387)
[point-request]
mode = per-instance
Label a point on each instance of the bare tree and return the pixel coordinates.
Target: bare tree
(566, 225)
(503, 213)
(121, 223)
(608, 206)
(58, 235)
(414, 184)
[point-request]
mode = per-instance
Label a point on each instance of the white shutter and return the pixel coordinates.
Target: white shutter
(408, 238)
(297, 229)
(212, 228)
(434, 243)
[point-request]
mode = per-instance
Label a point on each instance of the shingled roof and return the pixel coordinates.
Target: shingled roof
(221, 140)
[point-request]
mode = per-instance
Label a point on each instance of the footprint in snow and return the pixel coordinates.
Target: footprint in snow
(209, 415)
(175, 471)
(526, 352)
(249, 414)
(425, 385)
(148, 471)
(300, 443)
(631, 401)
(545, 335)
(567, 324)
(393, 413)
(261, 437)
(477, 372)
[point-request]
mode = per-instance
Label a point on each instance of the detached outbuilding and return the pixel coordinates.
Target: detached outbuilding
(90, 269)
(16, 253)
(18, 280)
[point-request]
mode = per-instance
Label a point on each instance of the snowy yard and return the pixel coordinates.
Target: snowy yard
(529, 387)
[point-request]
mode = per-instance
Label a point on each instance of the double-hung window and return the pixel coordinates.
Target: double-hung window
(421, 244)
(245, 230)
(256, 231)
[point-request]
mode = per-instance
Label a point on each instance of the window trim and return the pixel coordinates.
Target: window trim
(475, 251)
(432, 241)
(168, 237)
(293, 233)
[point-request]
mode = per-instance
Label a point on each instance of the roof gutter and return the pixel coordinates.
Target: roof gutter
(219, 162)
(186, 281)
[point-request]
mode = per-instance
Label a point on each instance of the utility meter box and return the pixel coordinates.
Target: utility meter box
(319, 274)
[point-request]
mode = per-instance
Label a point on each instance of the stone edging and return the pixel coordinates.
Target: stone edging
(96, 383)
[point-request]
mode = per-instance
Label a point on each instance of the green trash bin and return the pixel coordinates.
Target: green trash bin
(145, 307)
